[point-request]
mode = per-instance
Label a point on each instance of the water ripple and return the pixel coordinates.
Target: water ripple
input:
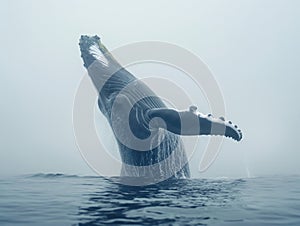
(59, 199)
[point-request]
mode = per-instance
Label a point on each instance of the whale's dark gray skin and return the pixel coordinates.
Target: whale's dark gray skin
(161, 152)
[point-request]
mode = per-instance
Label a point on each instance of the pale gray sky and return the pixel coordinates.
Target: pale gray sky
(252, 47)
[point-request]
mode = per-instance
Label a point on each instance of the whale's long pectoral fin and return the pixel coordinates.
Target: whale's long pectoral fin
(192, 123)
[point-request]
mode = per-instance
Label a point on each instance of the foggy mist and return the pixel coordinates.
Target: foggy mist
(252, 48)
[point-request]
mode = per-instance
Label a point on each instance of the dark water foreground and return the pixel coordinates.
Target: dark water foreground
(55, 199)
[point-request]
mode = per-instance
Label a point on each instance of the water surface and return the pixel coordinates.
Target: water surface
(57, 199)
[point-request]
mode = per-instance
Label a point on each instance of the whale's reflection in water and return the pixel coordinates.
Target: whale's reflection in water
(184, 201)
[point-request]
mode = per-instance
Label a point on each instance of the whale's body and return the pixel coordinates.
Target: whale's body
(147, 132)
(160, 143)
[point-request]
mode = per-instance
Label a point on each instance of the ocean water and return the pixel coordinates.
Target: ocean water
(57, 199)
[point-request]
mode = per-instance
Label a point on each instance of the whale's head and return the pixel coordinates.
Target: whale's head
(102, 67)
(93, 51)
(98, 61)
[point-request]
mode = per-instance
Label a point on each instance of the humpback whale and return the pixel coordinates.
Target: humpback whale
(148, 132)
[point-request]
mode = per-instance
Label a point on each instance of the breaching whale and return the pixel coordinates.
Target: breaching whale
(146, 130)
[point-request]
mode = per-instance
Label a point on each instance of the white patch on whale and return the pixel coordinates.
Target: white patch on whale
(96, 52)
